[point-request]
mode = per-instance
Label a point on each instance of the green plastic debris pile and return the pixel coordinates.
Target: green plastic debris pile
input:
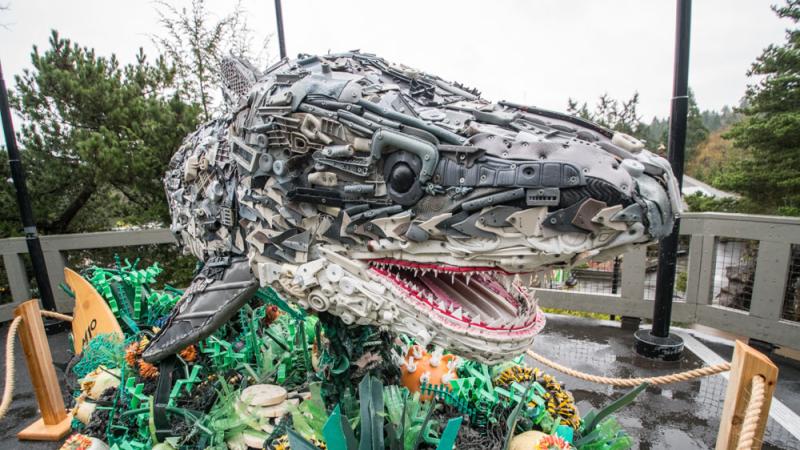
(318, 384)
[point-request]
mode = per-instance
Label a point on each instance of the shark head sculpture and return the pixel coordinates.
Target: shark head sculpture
(390, 197)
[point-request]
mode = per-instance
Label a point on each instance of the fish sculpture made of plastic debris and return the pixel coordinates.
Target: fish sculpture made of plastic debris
(390, 197)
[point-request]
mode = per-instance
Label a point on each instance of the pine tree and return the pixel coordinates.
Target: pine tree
(196, 43)
(617, 115)
(96, 138)
(696, 131)
(770, 131)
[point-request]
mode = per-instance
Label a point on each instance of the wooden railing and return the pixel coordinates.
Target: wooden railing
(773, 237)
(770, 272)
(54, 248)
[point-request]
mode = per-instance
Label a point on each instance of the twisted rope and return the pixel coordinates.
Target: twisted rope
(755, 404)
(56, 315)
(8, 389)
(633, 382)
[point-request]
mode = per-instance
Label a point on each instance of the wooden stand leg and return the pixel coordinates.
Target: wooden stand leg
(55, 423)
(747, 363)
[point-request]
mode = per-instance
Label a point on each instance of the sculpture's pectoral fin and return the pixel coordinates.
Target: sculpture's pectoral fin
(216, 293)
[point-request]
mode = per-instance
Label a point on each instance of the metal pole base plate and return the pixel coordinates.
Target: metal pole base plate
(667, 348)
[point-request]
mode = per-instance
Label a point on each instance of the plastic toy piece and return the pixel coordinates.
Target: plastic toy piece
(80, 442)
(387, 196)
(92, 314)
(420, 367)
(528, 440)
(263, 395)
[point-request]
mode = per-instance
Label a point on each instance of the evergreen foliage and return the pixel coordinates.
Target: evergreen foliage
(96, 138)
(770, 131)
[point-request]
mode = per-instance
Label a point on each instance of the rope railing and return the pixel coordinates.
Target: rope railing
(633, 382)
(8, 389)
(749, 436)
(753, 411)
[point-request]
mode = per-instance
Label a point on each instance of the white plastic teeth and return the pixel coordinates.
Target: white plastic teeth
(453, 364)
(448, 377)
(425, 378)
(397, 359)
(436, 357)
(411, 365)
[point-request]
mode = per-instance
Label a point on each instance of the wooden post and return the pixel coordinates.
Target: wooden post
(747, 363)
(55, 423)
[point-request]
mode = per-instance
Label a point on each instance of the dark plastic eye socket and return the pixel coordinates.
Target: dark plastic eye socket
(401, 172)
(402, 178)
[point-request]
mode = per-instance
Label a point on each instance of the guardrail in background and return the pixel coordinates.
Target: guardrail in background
(54, 248)
(741, 274)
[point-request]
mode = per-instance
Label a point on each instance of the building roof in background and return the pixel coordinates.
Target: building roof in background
(693, 186)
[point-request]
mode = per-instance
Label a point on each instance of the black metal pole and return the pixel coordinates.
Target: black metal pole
(668, 250)
(658, 342)
(24, 202)
(279, 19)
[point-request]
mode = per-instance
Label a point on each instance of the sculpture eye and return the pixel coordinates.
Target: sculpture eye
(401, 172)
(402, 178)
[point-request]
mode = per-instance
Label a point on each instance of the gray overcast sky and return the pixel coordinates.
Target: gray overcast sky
(537, 52)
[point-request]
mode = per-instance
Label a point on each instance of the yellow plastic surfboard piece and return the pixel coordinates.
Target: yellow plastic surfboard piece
(91, 316)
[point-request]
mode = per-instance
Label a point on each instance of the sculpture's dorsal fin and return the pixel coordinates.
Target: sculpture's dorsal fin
(238, 76)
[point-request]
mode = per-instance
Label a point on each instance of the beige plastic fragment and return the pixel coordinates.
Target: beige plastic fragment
(389, 224)
(275, 195)
(263, 395)
(430, 225)
(327, 179)
(190, 170)
(528, 221)
(604, 218)
(311, 128)
(268, 272)
(361, 144)
(627, 142)
(264, 413)
(258, 239)
(329, 210)
(380, 189)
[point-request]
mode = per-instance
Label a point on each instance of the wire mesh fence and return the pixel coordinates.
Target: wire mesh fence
(681, 273)
(5, 288)
(734, 272)
(791, 300)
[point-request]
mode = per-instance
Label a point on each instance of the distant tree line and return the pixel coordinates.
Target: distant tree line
(752, 149)
(97, 135)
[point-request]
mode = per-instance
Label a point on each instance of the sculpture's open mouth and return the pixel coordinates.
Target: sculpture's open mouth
(485, 299)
